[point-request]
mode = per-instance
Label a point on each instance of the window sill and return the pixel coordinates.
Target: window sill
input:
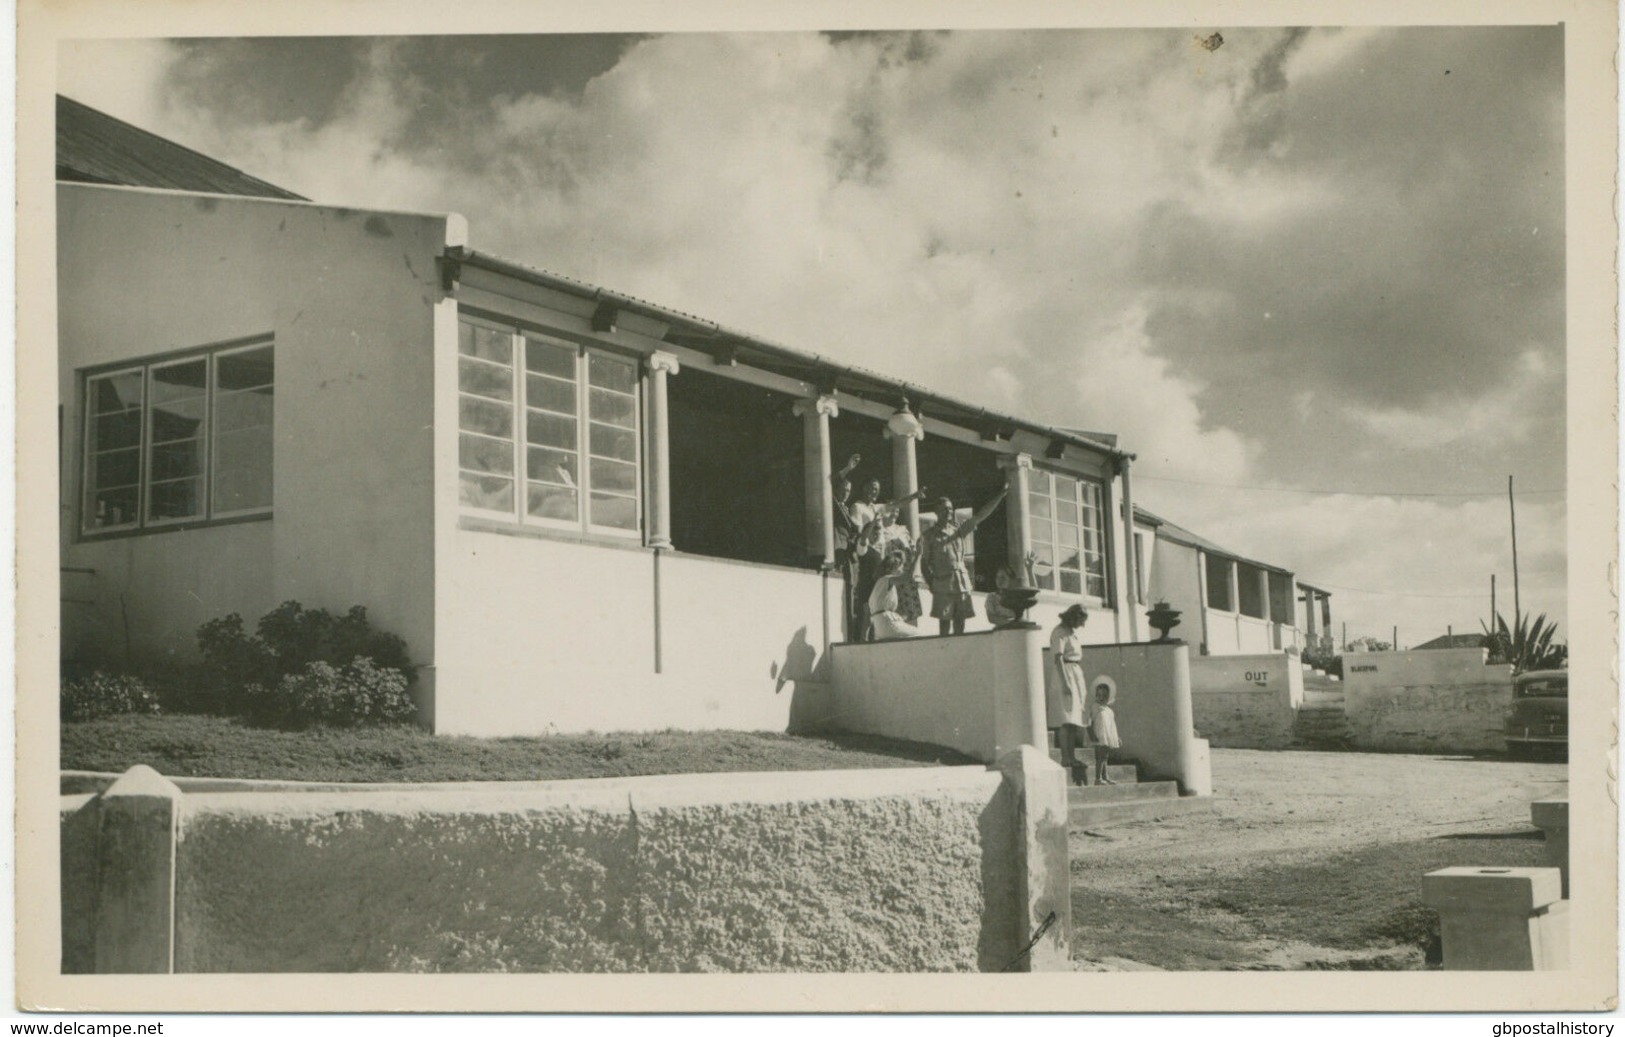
(96, 536)
(477, 524)
(1062, 598)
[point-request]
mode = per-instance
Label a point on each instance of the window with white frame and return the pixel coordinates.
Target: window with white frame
(178, 441)
(1065, 523)
(549, 431)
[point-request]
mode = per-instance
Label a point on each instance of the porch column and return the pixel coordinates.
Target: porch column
(817, 466)
(904, 430)
(1264, 589)
(1309, 619)
(1019, 535)
(1131, 562)
(659, 507)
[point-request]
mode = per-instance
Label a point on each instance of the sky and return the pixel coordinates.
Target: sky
(1312, 278)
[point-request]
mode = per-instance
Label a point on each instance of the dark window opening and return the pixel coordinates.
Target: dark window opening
(1282, 608)
(969, 476)
(1218, 582)
(858, 434)
(1250, 590)
(737, 483)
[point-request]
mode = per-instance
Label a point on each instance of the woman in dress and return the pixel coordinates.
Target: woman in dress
(886, 617)
(872, 516)
(1068, 694)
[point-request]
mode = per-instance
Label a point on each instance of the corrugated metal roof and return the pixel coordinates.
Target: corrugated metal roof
(93, 147)
(707, 335)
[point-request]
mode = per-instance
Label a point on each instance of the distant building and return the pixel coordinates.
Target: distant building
(1231, 605)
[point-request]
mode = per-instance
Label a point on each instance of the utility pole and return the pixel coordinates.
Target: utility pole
(1517, 609)
(1494, 620)
(1396, 639)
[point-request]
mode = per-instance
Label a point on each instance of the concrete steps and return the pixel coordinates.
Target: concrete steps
(1111, 804)
(1321, 726)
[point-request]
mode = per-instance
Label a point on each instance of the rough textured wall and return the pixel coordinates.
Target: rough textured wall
(848, 871)
(79, 877)
(1445, 700)
(1243, 719)
(1246, 701)
(1430, 718)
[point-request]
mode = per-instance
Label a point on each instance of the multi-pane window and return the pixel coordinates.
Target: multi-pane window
(548, 431)
(1065, 519)
(177, 441)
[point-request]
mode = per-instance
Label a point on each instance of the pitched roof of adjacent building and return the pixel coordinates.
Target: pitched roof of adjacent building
(93, 147)
(1180, 535)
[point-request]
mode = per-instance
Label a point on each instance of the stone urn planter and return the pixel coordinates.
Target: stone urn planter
(1163, 617)
(1018, 599)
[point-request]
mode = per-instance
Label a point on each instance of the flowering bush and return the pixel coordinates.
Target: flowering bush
(303, 666)
(359, 692)
(103, 694)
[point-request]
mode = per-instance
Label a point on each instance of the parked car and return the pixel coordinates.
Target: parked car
(1539, 717)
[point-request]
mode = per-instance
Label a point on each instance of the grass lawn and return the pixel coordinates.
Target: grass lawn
(1367, 903)
(200, 746)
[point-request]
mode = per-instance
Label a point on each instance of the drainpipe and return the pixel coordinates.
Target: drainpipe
(660, 365)
(1132, 595)
(1201, 591)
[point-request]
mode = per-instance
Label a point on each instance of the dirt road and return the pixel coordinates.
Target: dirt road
(1308, 860)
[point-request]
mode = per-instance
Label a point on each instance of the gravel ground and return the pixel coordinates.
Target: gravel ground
(1278, 812)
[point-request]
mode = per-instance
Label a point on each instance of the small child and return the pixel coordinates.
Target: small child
(1103, 728)
(997, 614)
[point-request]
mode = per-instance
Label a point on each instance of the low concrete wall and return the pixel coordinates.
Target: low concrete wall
(939, 869)
(1246, 701)
(1153, 710)
(1444, 700)
(981, 693)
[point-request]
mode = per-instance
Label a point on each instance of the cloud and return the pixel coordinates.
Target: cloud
(1509, 412)
(1306, 258)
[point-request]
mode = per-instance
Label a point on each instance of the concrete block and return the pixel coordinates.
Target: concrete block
(1499, 919)
(135, 907)
(1043, 862)
(1551, 816)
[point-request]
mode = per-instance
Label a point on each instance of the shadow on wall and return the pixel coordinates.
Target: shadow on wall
(808, 675)
(998, 940)
(800, 662)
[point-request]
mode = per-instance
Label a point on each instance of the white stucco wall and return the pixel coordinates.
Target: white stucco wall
(1153, 711)
(981, 694)
(539, 635)
(349, 298)
(1246, 701)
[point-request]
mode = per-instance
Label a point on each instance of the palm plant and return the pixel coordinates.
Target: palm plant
(1527, 644)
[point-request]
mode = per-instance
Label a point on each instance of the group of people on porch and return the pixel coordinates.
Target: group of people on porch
(878, 555)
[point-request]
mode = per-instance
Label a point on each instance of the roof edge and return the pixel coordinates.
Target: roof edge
(917, 393)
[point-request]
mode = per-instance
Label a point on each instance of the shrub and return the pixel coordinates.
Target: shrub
(249, 670)
(359, 692)
(103, 694)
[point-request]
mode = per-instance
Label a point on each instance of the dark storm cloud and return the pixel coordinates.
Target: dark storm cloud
(1432, 258)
